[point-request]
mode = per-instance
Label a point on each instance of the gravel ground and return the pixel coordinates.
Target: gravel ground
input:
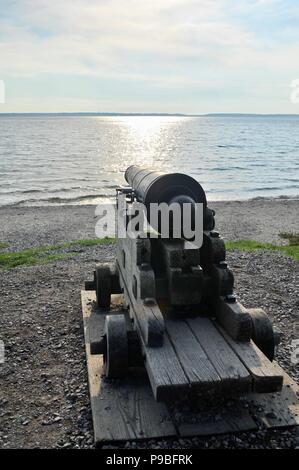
(257, 219)
(44, 399)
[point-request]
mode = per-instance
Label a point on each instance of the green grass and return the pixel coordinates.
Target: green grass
(96, 241)
(293, 238)
(84, 242)
(3, 245)
(54, 257)
(44, 255)
(250, 245)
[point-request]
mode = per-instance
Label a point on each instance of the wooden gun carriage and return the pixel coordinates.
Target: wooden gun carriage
(183, 322)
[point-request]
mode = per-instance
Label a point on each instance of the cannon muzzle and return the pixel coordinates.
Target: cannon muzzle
(152, 186)
(156, 187)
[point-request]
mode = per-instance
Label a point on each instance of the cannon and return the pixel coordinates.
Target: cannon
(183, 323)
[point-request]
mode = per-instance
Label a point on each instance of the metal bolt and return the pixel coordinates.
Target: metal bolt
(230, 298)
(223, 264)
(214, 234)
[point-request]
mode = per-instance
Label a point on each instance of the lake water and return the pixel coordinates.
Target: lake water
(81, 159)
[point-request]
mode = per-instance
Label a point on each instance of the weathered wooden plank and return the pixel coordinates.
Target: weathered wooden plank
(234, 319)
(235, 378)
(280, 409)
(165, 372)
(148, 318)
(95, 331)
(266, 376)
(196, 364)
(126, 410)
(205, 424)
(150, 321)
(122, 409)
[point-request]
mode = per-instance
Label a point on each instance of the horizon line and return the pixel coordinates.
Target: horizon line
(94, 113)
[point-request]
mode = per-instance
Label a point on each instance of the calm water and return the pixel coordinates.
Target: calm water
(81, 159)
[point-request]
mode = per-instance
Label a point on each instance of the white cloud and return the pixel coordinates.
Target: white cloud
(107, 37)
(169, 44)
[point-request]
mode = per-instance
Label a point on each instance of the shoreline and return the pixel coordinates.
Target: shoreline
(92, 201)
(255, 219)
(22, 204)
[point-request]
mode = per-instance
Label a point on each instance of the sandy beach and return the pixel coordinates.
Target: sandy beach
(44, 399)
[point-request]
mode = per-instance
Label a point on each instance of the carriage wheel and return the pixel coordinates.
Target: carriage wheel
(116, 351)
(262, 332)
(103, 286)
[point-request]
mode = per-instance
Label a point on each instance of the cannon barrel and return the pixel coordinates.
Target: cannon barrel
(152, 186)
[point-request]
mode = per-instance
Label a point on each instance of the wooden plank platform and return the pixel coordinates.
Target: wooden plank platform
(267, 377)
(280, 409)
(126, 409)
(197, 366)
(165, 372)
(221, 422)
(233, 374)
(122, 410)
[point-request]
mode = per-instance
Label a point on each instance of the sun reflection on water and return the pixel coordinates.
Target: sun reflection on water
(148, 138)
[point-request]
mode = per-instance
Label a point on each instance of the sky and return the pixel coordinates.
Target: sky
(185, 56)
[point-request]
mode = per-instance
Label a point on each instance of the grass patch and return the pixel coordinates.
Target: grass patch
(293, 238)
(3, 245)
(250, 245)
(18, 258)
(57, 256)
(44, 255)
(96, 241)
(84, 242)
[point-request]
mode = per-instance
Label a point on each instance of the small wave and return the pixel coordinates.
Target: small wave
(253, 165)
(27, 191)
(61, 200)
(273, 188)
(54, 191)
(230, 146)
(283, 197)
(292, 180)
(229, 168)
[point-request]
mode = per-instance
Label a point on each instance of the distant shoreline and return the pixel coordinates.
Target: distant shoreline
(115, 114)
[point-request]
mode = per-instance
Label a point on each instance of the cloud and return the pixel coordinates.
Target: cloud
(202, 45)
(110, 37)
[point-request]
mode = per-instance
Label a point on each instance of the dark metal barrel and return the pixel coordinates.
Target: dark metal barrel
(155, 187)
